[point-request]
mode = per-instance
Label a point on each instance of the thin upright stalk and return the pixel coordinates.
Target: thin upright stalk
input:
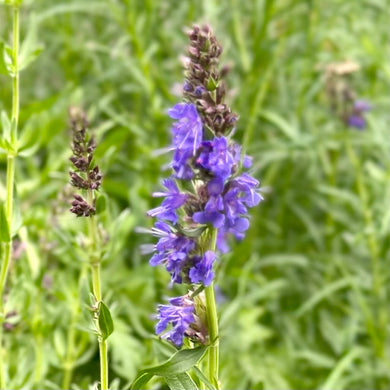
(95, 262)
(10, 181)
(212, 319)
(371, 241)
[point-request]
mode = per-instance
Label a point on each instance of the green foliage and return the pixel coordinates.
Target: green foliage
(106, 326)
(174, 370)
(305, 296)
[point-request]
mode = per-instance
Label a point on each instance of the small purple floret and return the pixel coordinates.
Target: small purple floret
(202, 271)
(179, 313)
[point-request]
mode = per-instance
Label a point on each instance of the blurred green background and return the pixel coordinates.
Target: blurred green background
(305, 297)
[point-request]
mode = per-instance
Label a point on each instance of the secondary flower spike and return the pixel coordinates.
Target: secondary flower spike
(209, 190)
(85, 175)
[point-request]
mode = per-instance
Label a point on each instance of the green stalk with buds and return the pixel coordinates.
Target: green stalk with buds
(86, 177)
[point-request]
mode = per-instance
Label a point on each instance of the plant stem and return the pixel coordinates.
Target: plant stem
(69, 359)
(95, 262)
(10, 181)
(212, 319)
(371, 243)
(103, 364)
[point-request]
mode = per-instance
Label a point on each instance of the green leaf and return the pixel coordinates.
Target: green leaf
(5, 125)
(180, 382)
(202, 377)
(101, 202)
(180, 362)
(106, 326)
(5, 235)
(30, 138)
(3, 67)
(141, 380)
(30, 50)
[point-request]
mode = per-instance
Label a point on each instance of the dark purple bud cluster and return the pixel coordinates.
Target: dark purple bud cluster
(85, 176)
(207, 197)
(342, 96)
(204, 86)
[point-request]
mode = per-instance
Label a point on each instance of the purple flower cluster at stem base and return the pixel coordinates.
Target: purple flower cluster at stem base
(179, 313)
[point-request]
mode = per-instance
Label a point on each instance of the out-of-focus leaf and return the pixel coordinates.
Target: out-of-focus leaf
(4, 228)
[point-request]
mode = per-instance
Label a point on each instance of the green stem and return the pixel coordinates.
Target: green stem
(15, 55)
(38, 361)
(371, 243)
(10, 182)
(103, 364)
(69, 359)
(95, 262)
(212, 319)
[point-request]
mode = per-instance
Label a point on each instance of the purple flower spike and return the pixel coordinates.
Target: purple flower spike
(179, 313)
(207, 193)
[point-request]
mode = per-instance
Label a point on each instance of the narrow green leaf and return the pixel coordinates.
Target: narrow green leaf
(322, 294)
(202, 377)
(5, 235)
(106, 326)
(141, 380)
(5, 125)
(32, 254)
(101, 202)
(180, 362)
(180, 382)
(3, 66)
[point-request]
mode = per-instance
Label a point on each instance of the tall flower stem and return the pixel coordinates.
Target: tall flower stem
(10, 181)
(212, 319)
(95, 262)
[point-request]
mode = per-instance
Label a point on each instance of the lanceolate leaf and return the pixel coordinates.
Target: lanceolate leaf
(203, 378)
(180, 362)
(180, 382)
(106, 325)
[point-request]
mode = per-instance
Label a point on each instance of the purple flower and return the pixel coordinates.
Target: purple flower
(187, 134)
(248, 187)
(362, 106)
(179, 313)
(216, 157)
(356, 119)
(187, 131)
(213, 210)
(172, 249)
(202, 271)
(214, 218)
(173, 200)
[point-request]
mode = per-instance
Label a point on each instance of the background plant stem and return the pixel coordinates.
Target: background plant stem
(212, 318)
(10, 183)
(97, 292)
